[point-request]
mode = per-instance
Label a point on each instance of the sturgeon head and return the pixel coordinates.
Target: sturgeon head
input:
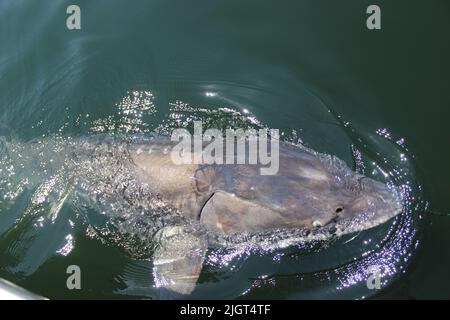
(311, 191)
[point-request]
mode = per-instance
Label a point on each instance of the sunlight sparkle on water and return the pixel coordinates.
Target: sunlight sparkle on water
(67, 248)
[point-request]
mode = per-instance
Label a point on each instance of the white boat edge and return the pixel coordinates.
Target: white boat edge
(10, 291)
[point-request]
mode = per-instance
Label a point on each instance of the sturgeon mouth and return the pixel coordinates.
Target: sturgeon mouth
(199, 216)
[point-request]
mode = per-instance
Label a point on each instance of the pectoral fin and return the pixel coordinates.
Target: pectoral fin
(178, 260)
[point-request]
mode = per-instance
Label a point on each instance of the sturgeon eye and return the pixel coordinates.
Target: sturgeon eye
(339, 209)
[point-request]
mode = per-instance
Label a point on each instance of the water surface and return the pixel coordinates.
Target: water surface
(376, 99)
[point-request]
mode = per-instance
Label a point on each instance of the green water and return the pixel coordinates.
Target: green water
(310, 68)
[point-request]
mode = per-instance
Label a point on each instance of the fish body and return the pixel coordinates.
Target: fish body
(137, 179)
(309, 191)
(312, 192)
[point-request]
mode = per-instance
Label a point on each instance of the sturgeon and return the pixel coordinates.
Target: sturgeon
(312, 192)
